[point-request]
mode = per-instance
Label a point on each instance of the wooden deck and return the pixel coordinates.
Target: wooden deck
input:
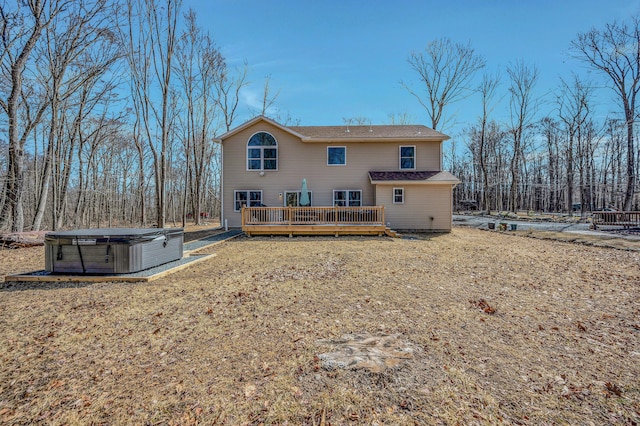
(314, 221)
(625, 219)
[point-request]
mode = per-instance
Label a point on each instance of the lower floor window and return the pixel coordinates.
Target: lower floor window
(292, 198)
(398, 195)
(247, 199)
(347, 198)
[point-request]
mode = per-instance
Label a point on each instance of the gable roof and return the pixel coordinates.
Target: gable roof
(384, 133)
(413, 177)
(251, 123)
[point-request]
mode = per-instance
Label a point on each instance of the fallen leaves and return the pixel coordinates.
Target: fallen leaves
(613, 389)
(484, 306)
(236, 338)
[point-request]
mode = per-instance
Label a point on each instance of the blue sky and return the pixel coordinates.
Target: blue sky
(336, 59)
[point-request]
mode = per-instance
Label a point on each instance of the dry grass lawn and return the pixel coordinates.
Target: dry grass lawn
(504, 329)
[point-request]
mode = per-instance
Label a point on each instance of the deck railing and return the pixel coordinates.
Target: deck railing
(626, 219)
(369, 215)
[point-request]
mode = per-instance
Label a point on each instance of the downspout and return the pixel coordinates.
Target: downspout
(453, 186)
(222, 216)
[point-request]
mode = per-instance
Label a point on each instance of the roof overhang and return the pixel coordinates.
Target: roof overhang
(413, 178)
(307, 139)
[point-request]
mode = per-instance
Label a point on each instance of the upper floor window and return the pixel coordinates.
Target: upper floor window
(407, 157)
(262, 152)
(336, 155)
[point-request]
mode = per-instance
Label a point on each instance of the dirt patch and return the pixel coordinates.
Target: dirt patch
(503, 330)
(372, 353)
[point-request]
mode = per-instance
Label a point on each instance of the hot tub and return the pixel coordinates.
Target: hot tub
(111, 250)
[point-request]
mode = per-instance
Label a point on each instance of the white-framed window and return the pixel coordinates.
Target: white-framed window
(336, 156)
(407, 157)
(262, 152)
(347, 197)
(292, 198)
(398, 195)
(247, 198)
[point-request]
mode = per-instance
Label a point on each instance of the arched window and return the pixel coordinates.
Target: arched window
(262, 152)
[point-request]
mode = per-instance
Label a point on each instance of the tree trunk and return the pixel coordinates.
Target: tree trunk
(631, 170)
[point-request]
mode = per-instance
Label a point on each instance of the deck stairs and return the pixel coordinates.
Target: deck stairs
(391, 233)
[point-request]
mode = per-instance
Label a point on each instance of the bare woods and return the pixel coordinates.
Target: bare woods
(571, 149)
(109, 110)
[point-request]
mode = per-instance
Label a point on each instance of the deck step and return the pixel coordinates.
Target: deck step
(391, 233)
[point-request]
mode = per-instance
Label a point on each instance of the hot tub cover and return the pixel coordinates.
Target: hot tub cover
(113, 235)
(111, 250)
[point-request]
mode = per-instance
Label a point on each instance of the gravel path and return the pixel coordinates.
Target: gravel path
(198, 244)
(482, 222)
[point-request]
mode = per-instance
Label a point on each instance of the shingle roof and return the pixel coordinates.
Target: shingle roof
(413, 176)
(387, 133)
(401, 175)
(404, 132)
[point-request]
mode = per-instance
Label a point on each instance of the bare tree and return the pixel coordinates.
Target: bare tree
(615, 51)
(21, 27)
(522, 109)
(356, 121)
(551, 132)
(401, 118)
(611, 173)
(151, 41)
(199, 66)
(268, 97)
(487, 92)
(588, 141)
(78, 56)
(573, 110)
(446, 70)
(228, 93)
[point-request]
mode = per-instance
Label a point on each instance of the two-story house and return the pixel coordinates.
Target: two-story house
(395, 166)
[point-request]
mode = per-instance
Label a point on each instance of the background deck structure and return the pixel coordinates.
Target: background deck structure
(630, 219)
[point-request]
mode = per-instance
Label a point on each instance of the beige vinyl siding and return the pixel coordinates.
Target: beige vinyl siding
(421, 203)
(298, 160)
